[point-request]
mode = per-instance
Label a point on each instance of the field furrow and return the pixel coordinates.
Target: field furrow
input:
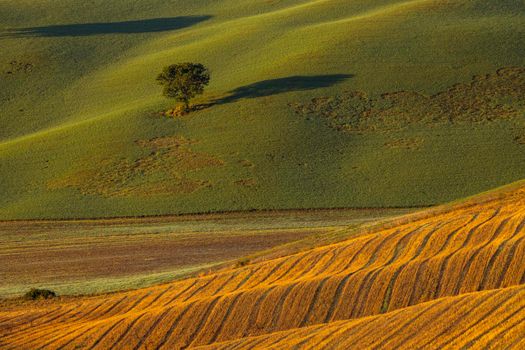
(444, 273)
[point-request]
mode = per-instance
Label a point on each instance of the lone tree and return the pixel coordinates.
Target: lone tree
(184, 81)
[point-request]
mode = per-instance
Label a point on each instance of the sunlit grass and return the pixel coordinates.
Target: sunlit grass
(90, 98)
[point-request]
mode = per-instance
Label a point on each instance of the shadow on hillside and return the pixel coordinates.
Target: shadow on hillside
(281, 85)
(153, 25)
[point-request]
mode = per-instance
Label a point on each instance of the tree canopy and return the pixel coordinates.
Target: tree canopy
(184, 81)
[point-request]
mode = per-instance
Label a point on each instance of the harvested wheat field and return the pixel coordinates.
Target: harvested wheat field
(449, 277)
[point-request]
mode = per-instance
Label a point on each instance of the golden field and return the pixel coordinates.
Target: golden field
(448, 277)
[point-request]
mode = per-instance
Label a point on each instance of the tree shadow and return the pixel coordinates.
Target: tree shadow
(282, 85)
(153, 25)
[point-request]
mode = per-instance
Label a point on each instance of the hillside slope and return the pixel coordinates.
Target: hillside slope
(459, 265)
(483, 320)
(81, 134)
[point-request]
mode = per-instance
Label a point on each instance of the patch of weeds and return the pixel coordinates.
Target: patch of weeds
(246, 182)
(486, 98)
(243, 262)
(19, 67)
(165, 167)
(37, 294)
(520, 139)
(409, 143)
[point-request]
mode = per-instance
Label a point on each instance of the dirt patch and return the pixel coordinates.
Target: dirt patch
(109, 256)
(164, 170)
(486, 98)
(65, 253)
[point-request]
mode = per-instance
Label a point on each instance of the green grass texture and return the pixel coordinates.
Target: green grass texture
(81, 134)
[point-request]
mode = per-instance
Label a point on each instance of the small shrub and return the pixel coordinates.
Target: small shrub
(36, 294)
(243, 262)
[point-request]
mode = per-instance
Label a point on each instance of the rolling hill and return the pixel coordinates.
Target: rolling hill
(313, 104)
(448, 277)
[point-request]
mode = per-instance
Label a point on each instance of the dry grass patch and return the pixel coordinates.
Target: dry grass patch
(496, 96)
(166, 165)
(409, 143)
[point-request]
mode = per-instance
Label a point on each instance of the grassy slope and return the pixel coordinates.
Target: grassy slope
(90, 97)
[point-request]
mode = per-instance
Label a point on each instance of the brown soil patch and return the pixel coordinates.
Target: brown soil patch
(46, 253)
(58, 260)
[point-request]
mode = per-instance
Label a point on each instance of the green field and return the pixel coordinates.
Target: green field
(81, 133)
